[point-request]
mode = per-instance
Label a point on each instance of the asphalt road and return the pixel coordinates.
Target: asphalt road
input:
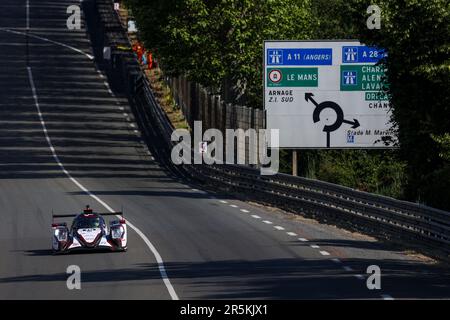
(213, 246)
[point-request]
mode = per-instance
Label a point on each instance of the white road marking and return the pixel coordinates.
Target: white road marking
(267, 222)
(278, 228)
(336, 260)
(90, 57)
(135, 131)
(292, 234)
(233, 206)
(245, 211)
(121, 108)
(223, 201)
(17, 44)
(132, 125)
(386, 297)
(256, 216)
(303, 239)
(324, 253)
(347, 268)
(315, 246)
(28, 14)
(125, 114)
(162, 269)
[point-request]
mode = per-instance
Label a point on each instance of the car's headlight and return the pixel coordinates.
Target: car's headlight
(61, 234)
(117, 232)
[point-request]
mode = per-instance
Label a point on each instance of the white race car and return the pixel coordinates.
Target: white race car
(89, 231)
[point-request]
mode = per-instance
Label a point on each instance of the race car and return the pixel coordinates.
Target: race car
(89, 232)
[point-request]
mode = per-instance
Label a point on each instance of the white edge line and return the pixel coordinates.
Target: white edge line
(347, 268)
(152, 248)
(90, 57)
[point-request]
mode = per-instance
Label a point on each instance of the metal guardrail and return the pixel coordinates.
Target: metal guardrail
(410, 223)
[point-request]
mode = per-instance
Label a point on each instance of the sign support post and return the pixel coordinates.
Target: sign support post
(294, 163)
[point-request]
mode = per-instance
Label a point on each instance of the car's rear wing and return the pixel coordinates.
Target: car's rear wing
(63, 215)
(119, 213)
(71, 215)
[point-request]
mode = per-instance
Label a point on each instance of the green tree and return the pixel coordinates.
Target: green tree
(416, 35)
(217, 42)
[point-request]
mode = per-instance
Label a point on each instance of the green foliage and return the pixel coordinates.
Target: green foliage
(285, 161)
(216, 40)
(331, 20)
(371, 171)
(366, 170)
(443, 142)
(435, 188)
(417, 37)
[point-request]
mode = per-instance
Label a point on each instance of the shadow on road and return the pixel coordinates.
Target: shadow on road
(278, 279)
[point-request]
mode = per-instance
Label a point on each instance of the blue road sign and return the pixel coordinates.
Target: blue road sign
(350, 138)
(300, 57)
(362, 54)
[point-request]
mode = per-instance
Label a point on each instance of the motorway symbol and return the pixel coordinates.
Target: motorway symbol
(275, 76)
(275, 56)
(328, 128)
(350, 54)
(350, 77)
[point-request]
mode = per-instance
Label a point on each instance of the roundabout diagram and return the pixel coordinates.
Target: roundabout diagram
(339, 120)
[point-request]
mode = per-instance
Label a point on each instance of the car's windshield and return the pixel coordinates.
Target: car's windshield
(88, 222)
